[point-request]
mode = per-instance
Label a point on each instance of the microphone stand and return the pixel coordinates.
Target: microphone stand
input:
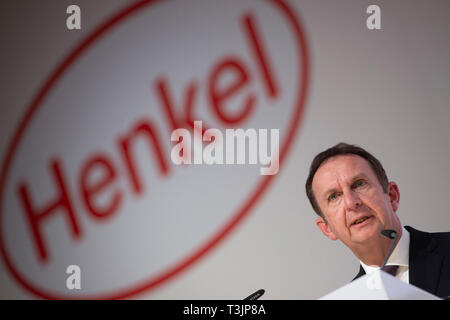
(390, 234)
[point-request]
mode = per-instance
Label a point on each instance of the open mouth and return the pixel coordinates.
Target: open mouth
(360, 220)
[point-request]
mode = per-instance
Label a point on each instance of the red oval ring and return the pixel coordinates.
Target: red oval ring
(213, 241)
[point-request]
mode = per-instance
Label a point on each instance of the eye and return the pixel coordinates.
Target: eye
(359, 183)
(332, 196)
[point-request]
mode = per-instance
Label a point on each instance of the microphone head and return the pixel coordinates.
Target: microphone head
(390, 234)
(256, 295)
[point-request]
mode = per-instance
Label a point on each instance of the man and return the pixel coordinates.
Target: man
(349, 190)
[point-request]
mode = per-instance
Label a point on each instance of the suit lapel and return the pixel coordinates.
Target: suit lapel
(424, 264)
(360, 273)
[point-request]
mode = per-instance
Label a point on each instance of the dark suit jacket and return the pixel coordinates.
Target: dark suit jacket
(429, 261)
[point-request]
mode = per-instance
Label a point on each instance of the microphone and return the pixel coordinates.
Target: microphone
(390, 234)
(255, 295)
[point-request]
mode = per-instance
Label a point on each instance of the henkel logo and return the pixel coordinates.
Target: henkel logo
(88, 180)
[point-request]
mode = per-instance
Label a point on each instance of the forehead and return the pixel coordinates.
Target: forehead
(341, 168)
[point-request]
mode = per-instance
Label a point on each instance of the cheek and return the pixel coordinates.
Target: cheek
(378, 205)
(338, 221)
(336, 217)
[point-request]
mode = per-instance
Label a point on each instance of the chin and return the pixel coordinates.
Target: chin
(366, 235)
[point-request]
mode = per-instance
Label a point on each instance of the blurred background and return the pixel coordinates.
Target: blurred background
(139, 227)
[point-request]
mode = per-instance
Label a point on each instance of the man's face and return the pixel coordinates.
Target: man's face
(353, 202)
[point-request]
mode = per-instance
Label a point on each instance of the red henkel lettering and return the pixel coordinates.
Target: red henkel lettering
(62, 203)
(91, 189)
(147, 130)
(217, 97)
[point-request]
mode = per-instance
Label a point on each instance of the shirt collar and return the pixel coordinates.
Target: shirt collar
(399, 257)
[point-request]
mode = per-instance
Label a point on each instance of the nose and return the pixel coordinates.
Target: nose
(352, 200)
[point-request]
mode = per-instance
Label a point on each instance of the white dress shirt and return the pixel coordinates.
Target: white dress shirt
(399, 257)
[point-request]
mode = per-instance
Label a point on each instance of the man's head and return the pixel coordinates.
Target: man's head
(349, 190)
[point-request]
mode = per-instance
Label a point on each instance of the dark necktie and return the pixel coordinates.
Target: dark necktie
(392, 270)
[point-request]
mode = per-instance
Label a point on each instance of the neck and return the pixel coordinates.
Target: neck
(374, 252)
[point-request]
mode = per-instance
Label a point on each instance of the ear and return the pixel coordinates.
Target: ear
(325, 228)
(394, 195)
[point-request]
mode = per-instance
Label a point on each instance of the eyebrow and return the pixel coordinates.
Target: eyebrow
(353, 180)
